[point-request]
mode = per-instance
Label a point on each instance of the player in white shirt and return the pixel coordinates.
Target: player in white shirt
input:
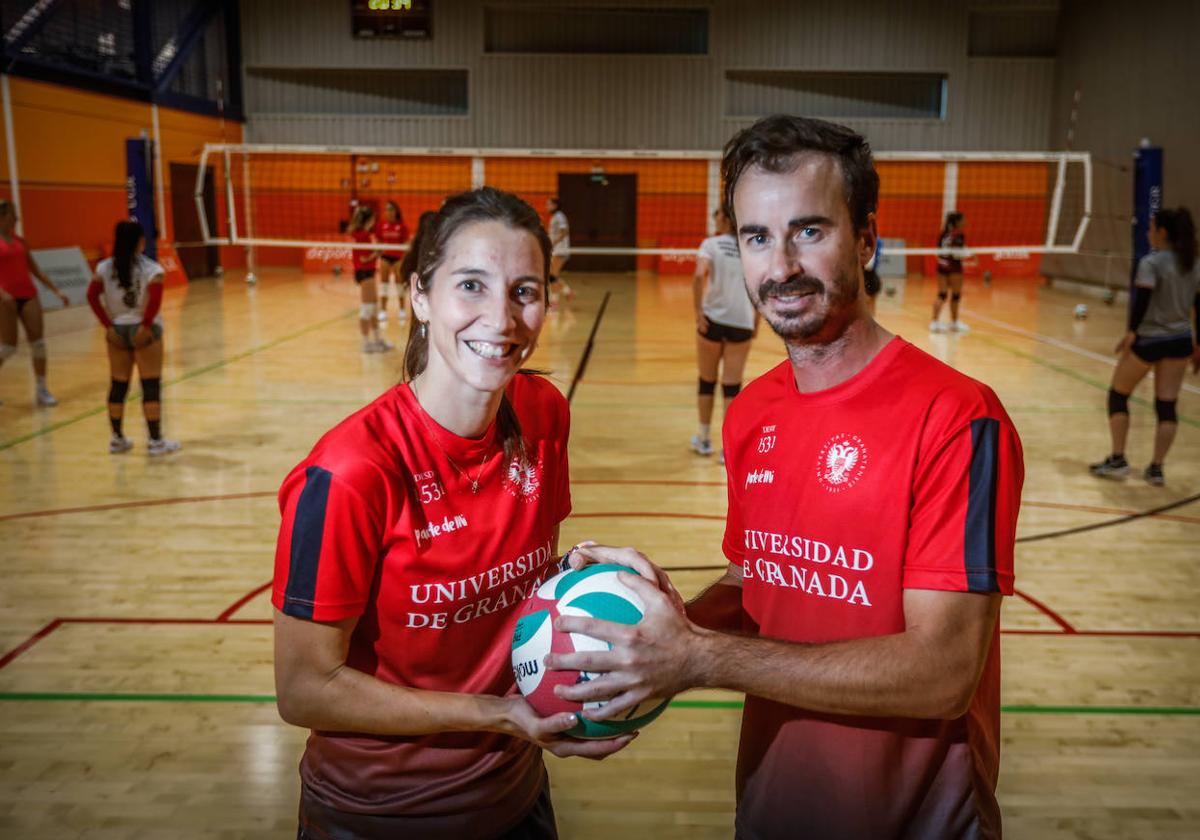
(126, 295)
(726, 320)
(560, 248)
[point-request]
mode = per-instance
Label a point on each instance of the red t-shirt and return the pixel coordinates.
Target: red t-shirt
(392, 233)
(364, 258)
(906, 476)
(14, 268)
(378, 524)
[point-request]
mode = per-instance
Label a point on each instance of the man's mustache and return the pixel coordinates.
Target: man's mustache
(796, 284)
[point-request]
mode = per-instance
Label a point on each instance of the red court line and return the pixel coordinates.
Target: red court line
(259, 494)
(30, 642)
(241, 602)
(1055, 617)
(180, 500)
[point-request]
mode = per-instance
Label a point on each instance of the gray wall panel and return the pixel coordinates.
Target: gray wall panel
(664, 102)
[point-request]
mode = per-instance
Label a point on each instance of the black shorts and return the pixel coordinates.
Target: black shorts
(362, 275)
(1151, 350)
(946, 267)
(390, 260)
(20, 301)
(726, 333)
(319, 822)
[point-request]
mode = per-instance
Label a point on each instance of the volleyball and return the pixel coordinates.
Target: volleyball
(1081, 311)
(596, 592)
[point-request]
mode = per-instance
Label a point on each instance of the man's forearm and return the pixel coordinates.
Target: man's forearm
(909, 674)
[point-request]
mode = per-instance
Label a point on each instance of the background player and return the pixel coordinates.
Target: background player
(1160, 337)
(950, 274)
(19, 301)
(126, 295)
(457, 479)
(361, 230)
(392, 231)
(560, 242)
(725, 324)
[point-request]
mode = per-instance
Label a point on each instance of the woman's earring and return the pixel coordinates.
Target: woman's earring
(424, 329)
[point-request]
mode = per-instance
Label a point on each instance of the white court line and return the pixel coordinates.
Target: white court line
(1057, 342)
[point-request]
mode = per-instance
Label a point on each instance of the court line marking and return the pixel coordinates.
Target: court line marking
(97, 697)
(587, 348)
(1057, 342)
(191, 374)
(1154, 513)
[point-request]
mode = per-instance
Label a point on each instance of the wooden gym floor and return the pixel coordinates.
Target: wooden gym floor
(134, 621)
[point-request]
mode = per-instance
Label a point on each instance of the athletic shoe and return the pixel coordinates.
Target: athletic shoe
(1154, 475)
(382, 346)
(162, 446)
(1114, 466)
(721, 459)
(119, 444)
(937, 327)
(369, 346)
(959, 327)
(701, 446)
(44, 398)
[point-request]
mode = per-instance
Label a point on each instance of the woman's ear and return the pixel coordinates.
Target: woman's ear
(420, 300)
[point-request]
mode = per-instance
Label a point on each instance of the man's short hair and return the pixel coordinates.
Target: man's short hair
(773, 142)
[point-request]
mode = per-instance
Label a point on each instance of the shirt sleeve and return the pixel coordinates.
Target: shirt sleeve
(564, 468)
(705, 251)
(329, 545)
(1147, 274)
(965, 500)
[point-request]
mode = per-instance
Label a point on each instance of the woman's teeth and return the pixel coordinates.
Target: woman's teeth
(488, 350)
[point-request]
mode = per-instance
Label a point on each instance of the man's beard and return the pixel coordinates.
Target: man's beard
(831, 299)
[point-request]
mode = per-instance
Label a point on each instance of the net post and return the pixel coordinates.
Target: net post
(478, 173)
(949, 188)
(714, 194)
(1056, 204)
(247, 209)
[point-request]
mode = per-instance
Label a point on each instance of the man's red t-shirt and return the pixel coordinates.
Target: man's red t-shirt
(364, 258)
(392, 233)
(378, 524)
(906, 476)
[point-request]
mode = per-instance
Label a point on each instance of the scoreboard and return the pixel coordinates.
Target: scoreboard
(390, 18)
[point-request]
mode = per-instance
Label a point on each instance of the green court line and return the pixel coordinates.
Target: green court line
(191, 374)
(44, 696)
(1073, 374)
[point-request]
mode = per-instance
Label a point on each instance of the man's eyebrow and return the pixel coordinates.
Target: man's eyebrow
(752, 230)
(471, 271)
(808, 221)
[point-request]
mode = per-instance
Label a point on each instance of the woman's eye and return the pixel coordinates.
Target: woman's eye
(527, 292)
(469, 285)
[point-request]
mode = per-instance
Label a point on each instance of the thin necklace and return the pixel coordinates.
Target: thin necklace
(412, 386)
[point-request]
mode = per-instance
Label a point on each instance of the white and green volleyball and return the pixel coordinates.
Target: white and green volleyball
(595, 592)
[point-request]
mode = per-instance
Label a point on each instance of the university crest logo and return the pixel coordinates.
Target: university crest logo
(523, 479)
(842, 462)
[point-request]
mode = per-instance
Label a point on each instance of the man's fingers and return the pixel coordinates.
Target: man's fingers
(622, 557)
(589, 748)
(606, 631)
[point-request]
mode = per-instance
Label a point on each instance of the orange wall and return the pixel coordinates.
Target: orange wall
(70, 150)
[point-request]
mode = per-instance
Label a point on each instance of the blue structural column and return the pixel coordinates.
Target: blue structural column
(1147, 198)
(139, 188)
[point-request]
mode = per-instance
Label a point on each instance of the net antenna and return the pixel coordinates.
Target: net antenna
(1016, 204)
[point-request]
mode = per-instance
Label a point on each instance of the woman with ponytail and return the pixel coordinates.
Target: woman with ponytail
(410, 536)
(1161, 337)
(126, 295)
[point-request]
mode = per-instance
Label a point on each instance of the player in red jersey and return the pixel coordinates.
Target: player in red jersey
(392, 231)
(410, 536)
(19, 301)
(873, 495)
(361, 230)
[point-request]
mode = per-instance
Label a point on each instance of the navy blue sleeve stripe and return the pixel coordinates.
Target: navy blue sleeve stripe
(308, 532)
(979, 541)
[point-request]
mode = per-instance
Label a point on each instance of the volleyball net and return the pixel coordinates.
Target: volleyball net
(635, 209)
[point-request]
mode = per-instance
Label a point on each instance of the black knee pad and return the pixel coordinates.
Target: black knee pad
(730, 391)
(943, 295)
(151, 390)
(1165, 409)
(117, 391)
(956, 297)
(1117, 403)
(707, 388)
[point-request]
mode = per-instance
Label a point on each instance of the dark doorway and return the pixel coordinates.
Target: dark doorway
(601, 209)
(198, 260)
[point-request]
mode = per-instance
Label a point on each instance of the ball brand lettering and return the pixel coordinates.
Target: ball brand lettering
(524, 670)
